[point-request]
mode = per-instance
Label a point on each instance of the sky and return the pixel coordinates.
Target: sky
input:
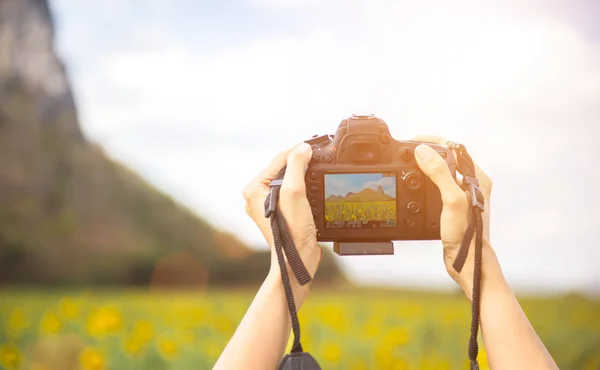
(198, 96)
(342, 184)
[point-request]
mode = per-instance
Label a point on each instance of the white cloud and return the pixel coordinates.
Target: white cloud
(338, 185)
(522, 94)
(286, 4)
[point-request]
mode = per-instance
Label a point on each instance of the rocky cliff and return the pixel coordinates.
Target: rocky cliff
(28, 61)
(69, 214)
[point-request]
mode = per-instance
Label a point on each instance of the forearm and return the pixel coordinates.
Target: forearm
(510, 340)
(260, 340)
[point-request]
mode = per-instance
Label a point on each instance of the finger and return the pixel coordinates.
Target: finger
(436, 168)
(439, 141)
(277, 163)
(486, 214)
(296, 209)
(268, 174)
(484, 179)
(454, 220)
(293, 186)
(431, 139)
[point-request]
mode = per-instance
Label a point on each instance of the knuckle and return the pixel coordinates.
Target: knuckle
(439, 140)
(279, 156)
(457, 201)
(486, 183)
(294, 157)
(247, 193)
(431, 139)
(311, 230)
(291, 192)
(484, 180)
(451, 243)
(307, 234)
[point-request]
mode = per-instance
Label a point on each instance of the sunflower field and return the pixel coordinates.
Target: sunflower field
(353, 330)
(360, 211)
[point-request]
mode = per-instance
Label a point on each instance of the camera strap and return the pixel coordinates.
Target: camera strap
(470, 183)
(297, 359)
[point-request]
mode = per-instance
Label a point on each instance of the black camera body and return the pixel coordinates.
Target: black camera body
(366, 189)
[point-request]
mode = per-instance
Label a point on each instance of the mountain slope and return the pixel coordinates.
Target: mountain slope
(71, 215)
(365, 195)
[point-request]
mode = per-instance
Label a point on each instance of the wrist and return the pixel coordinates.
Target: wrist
(492, 277)
(275, 279)
(310, 255)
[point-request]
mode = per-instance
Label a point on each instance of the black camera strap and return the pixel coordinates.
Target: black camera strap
(297, 359)
(470, 183)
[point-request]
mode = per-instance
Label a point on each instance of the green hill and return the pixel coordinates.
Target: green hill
(71, 215)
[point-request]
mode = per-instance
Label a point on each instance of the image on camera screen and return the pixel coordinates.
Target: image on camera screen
(360, 200)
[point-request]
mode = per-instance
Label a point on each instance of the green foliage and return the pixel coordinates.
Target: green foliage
(352, 329)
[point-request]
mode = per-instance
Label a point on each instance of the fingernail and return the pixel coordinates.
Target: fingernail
(422, 153)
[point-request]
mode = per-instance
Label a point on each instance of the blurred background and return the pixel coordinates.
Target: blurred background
(128, 130)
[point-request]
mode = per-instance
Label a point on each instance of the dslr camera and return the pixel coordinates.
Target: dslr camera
(366, 190)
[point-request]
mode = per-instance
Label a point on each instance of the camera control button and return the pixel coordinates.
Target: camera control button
(409, 222)
(413, 208)
(313, 189)
(328, 158)
(412, 180)
(313, 175)
(406, 154)
(313, 201)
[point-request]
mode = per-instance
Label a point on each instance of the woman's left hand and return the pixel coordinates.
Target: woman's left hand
(292, 203)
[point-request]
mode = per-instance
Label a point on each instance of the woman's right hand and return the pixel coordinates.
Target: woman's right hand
(455, 212)
(508, 337)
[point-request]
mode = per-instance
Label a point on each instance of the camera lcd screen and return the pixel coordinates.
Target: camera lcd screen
(360, 201)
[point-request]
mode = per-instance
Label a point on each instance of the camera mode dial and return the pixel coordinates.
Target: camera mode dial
(317, 140)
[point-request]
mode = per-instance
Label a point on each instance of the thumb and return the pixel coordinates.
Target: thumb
(293, 180)
(436, 168)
